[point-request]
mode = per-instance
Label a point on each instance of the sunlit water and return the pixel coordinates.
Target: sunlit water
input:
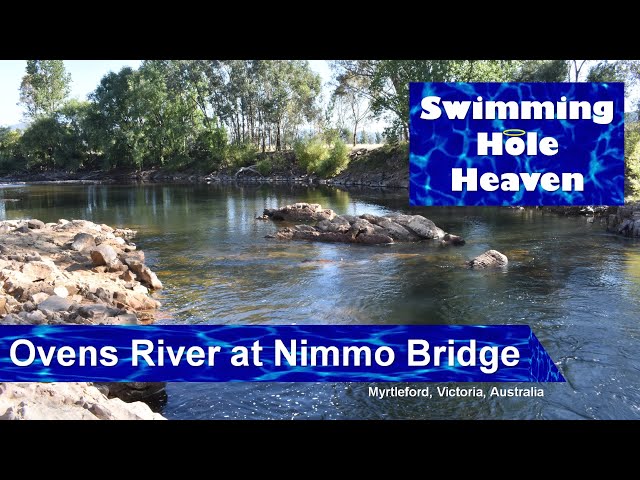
(577, 286)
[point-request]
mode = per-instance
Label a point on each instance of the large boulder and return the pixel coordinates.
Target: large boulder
(489, 259)
(367, 229)
(421, 226)
(300, 212)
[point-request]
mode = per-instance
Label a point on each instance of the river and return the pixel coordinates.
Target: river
(577, 286)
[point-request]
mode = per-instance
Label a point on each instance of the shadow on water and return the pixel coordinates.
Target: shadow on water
(578, 288)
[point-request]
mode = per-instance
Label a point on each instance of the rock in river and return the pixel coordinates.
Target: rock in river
(489, 259)
(367, 229)
(300, 212)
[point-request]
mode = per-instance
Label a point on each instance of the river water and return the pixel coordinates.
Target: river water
(575, 285)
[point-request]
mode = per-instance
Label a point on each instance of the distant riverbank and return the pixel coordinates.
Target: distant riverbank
(378, 167)
(372, 167)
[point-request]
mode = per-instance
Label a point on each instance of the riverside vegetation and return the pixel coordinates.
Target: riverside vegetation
(221, 117)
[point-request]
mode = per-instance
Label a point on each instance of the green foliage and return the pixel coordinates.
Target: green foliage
(632, 160)
(386, 82)
(317, 156)
(615, 71)
(10, 155)
(242, 155)
(48, 144)
(311, 153)
(265, 167)
(543, 71)
(606, 72)
(44, 87)
(175, 114)
(337, 160)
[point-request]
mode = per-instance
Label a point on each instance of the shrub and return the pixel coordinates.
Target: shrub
(265, 167)
(323, 158)
(311, 153)
(632, 161)
(10, 157)
(336, 161)
(242, 155)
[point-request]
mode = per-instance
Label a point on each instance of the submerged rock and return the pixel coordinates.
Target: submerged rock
(367, 229)
(489, 259)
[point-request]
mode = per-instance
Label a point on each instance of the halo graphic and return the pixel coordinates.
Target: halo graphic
(514, 132)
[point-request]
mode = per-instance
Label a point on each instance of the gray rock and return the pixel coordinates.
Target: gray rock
(300, 212)
(489, 259)
(97, 312)
(35, 224)
(395, 230)
(83, 241)
(55, 304)
(66, 401)
(12, 319)
(449, 239)
(35, 317)
(423, 227)
(29, 306)
(127, 319)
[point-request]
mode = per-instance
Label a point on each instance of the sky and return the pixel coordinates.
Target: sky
(86, 74)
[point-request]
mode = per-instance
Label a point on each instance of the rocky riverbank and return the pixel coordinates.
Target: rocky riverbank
(74, 272)
(386, 166)
(625, 220)
(66, 401)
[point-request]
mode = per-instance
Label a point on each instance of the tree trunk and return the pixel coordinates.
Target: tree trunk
(278, 146)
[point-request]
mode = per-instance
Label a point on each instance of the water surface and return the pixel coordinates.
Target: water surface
(575, 285)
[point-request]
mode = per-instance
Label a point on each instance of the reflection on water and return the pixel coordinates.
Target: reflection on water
(578, 288)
